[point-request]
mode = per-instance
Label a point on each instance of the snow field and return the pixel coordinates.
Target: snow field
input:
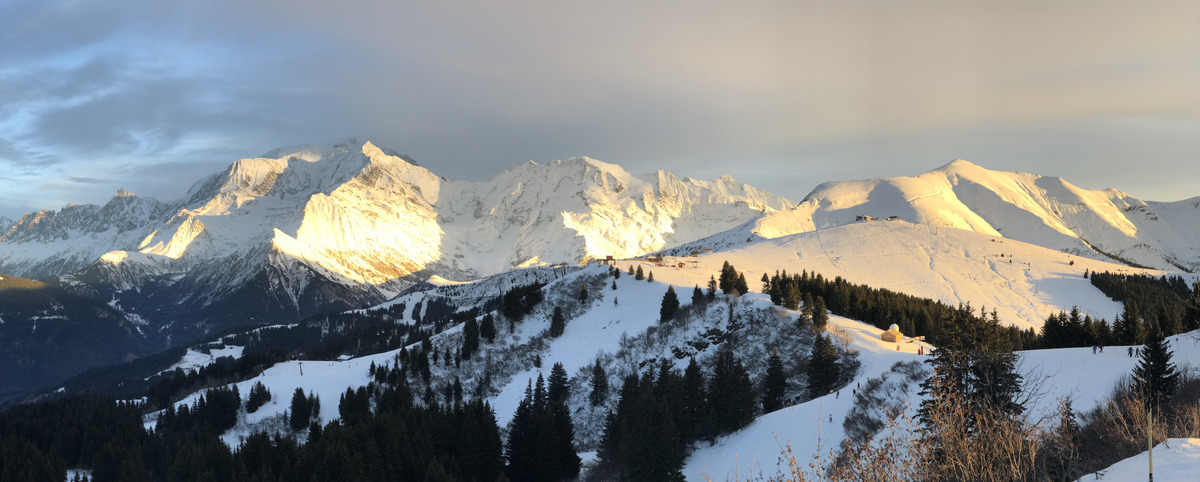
(1175, 460)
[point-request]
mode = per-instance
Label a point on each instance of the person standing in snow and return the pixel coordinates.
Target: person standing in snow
(1093, 349)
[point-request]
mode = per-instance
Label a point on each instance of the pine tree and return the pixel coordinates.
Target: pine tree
(564, 463)
(301, 410)
(697, 296)
(599, 385)
(820, 315)
(1062, 459)
(694, 395)
(558, 391)
(974, 375)
(823, 370)
(583, 293)
(774, 384)
(487, 329)
(731, 401)
(640, 275)
(1132, 329)
(650, 277)
(712, 289)
(790, 298)
(766, 283)
(741, 286)
(558, 323)
(728, 281)
(470, 338)
(1192, 319)
(1155, 377)
(1168, 321)
(522, 440)
(631, 270)
(670, 305)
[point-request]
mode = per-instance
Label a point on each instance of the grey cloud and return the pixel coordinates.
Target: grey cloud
(89, 180)
(793, 93)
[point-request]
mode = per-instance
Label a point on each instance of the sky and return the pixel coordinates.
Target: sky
(149, 96)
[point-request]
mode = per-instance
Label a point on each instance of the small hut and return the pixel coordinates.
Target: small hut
(892, 334)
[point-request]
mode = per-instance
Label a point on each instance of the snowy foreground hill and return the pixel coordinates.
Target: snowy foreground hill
(619, 328)
(1023, 282)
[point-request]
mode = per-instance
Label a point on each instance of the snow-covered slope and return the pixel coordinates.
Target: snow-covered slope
(1175, 460)
(1021, 281)
(1073, 373)
(1047, 211)
(618, 326)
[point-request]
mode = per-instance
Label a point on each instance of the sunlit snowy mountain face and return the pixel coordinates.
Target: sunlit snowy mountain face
(1046, 211)
(306, 229)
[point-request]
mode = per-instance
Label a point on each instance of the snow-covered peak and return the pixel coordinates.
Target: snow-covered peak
(959, 165)
(1048, 211)
(362, 222)
(305, 152)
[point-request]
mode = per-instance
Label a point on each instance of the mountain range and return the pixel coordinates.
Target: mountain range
(306, 229)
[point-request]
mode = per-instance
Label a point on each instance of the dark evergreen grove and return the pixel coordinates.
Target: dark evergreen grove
(659, 416)
(1175, 309)
(879, 307)
(396, 441)
(541, 442)
(1151, 304)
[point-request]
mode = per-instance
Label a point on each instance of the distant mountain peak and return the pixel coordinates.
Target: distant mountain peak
(1043, 210)
(121, 192)
(959, 165)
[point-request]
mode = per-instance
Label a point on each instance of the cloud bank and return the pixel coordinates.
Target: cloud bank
(151, 95)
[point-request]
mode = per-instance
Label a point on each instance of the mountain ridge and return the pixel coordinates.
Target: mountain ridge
(1043, 210)
(316, 229)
